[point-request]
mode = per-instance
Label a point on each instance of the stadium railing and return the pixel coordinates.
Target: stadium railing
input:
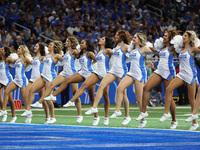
(45, 37)
(153, 9)
(26, 31)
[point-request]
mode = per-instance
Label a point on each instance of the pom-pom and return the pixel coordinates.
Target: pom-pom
(29, 66)
(128, 60)
(158, 44)
(46, 50)
(62, 53)
(149, 44)
(78, 47)
(14, 56)
(197, 42)
(111, 61)
(12, 65)
(197, 55)
(94, 66)
(77, 64)
(128, 54)
(149, 56)
(29, 57)
(130, 47)
(59, 63)
(177, 41)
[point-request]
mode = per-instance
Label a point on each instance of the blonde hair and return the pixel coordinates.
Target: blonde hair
(142, 39)
(74, 42)
(192, 36)
(25, 50)
(149, 62)
(58, 46)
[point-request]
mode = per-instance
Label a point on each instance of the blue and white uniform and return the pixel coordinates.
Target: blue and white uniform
(137, 68)
(20, 78)
(49, 72)
(86, 68)
(69, 65)
(37, 67)
(166, 67)
(119, 68)
(188, 72)
(5, 76)
(102, 65)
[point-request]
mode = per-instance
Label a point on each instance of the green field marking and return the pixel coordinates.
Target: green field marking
(68, 116)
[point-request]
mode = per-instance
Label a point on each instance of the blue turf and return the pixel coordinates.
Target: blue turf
(22, 136)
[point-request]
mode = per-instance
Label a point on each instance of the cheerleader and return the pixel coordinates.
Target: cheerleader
(118, 71)
(102, 59)
(165, 73)
(187, 74)
(86, 56)
(20, 80)
(37, 67)
(68, 70)
(137, 73)
(47, 76)
(6, 77)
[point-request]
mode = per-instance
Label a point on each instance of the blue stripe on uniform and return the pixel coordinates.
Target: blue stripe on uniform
(107, 64)
(8, 74)
(142, 68)
(170, 65)
(89, 61)
(41, 66)
(124, 64)
(53, 72)
(23, 75)
(73, 64)
(191, 61)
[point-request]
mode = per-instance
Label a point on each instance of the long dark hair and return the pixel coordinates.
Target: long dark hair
(42, 49)
(125, 36)
(7, 51)
(172, 33)
(90, 47)
(109, 43)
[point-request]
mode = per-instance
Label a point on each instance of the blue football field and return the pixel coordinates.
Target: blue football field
(23, 136)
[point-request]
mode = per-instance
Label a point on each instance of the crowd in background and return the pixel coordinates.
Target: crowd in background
(90, 19)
